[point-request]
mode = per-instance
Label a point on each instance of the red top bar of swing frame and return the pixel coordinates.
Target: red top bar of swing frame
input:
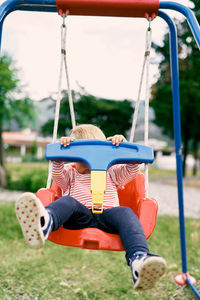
(113, 8)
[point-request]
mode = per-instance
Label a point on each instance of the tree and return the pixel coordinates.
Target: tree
(110, 115)
(11, 107)
(189, 65)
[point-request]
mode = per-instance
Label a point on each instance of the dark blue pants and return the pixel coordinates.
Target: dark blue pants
(120, 220)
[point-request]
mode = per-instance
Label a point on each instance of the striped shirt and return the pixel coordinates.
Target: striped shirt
(77, 185)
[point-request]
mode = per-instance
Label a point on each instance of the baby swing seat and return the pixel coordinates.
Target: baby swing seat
(132, 196)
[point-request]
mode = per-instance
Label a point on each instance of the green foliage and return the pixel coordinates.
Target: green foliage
(29, 181)
(110, 115)
(8, 79)
(189, 65)
(32, 158)
(21, 110)
(28, 177)
(34, 148)
(13, 106)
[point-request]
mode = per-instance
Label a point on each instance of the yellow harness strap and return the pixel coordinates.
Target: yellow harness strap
(98, 188)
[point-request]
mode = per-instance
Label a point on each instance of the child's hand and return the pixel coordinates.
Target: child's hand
(116, 139)
(65, 140)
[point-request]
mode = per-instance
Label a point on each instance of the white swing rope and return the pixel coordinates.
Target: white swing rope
(63, 61)
(146, 63)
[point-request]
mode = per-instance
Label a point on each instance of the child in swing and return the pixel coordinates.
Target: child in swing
(73, 210)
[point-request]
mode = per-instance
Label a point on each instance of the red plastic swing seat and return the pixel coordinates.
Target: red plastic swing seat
(132, 196)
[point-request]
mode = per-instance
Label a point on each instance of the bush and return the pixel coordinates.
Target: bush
(32, 158)
(28, 181)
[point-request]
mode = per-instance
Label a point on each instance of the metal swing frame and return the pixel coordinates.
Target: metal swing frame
(145, 8)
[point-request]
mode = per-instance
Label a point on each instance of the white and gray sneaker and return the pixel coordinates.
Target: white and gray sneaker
(35, 221)
(146, 269)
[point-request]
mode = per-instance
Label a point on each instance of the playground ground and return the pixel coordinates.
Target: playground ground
(165, 194)
(29, 274)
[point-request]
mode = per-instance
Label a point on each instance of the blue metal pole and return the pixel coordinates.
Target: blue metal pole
(177, 135)
(177, 130)
(192, 21)
(5, 8)
(193, 287)
(29, 5)
(1, 31)
(38, 5)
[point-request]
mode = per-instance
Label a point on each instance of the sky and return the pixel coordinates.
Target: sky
(105, 54)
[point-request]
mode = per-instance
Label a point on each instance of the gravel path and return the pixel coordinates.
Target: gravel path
(166, 196)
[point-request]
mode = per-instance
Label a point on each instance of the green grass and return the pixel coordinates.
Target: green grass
(58, 272)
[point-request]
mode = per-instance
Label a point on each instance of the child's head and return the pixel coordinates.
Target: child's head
(87, 131)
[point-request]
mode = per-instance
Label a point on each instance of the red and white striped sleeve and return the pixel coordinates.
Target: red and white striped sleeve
(122, 174)
(60, 175)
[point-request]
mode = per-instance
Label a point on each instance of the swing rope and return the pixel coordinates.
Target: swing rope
(63, 61)
(146, 64)
(63, 51)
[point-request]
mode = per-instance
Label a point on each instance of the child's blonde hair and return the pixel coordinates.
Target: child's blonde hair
(87, 131)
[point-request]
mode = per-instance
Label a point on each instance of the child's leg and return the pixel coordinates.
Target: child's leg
(37, 222)
(146, 268)
(34, 219)
(70, 213)
(123, 221)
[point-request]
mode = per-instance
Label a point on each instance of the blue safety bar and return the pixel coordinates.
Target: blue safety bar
(100, 155)
(50, 6)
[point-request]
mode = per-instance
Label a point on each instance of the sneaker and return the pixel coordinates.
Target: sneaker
(146, 269)
(35, 221)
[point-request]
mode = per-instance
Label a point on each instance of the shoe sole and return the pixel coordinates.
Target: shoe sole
(152, 269)
(28, 214)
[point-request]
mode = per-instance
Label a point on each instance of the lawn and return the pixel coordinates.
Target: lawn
(58, 272)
